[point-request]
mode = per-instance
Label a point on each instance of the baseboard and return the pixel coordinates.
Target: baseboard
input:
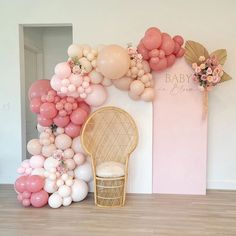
(222, 184)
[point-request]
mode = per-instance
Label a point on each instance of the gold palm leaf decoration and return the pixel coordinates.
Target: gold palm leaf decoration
(194, 50)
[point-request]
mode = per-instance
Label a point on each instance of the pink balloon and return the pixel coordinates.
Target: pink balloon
(35, 104)
(78, 116)
(180, 53)
(98, 95)
(152, 41)
(154, 60)
(48, 110)
(39, 199)
(179, 39)
(36, 161)
(177, 48)
(161, 65)
(19, 197)
(20, 184)
(143, 51)
(61, 121)
(170, 60)
(34, 183)
(26, 195)
(56, 83)
(168, 44)
(152, 31)
(39, 88)
(44, 121)
(85, 107)
(72, 130)
(62, 70)
(26, 202)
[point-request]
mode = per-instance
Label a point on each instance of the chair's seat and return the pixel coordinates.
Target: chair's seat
(110, 169)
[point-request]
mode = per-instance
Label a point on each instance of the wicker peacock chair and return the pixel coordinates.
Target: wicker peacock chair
(109, 136)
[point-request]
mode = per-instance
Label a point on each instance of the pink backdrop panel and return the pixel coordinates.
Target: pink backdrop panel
(180, 133)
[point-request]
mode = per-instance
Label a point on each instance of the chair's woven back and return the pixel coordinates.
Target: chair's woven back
(109, 134)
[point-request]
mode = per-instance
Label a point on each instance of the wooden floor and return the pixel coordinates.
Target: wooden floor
(214, 214)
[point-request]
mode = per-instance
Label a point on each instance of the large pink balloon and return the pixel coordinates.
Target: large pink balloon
(85, 106)
(44, 121)
(48, 110)
(35, 104)
(39, 199)
(168, 44)
(39, 88)
(34, 183)
(152, 40)
(61, 121)
(72, 130)
(78, 116)
(113, 61)
(97, 97)
(20, 184)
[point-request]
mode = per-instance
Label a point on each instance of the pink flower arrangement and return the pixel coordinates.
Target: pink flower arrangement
(207, 73)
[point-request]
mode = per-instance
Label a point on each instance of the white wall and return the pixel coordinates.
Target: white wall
(121, 21)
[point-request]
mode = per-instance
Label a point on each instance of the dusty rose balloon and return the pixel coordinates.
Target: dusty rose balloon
(20, 184)
(39, 88)
(152, 31)
(61, 121)
(63, 141)
(98, 95)
(72, 130)
(123, 83)
(36, 161)
(26, 202)
(161, 65)
(35, 104)
(48, 110)
(62, 70)
(34, 147)
(179, 39)
(143, 51)
(137, 87)
(78, 116)
(34, 183)
(39, 199)
(170, 60)
(113, 61)
(168, 44)
(152, 41)
(148, 95)
(180, 53)
(85, 106)
(44, 121)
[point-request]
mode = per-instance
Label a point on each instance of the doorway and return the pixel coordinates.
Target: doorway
(42, 47)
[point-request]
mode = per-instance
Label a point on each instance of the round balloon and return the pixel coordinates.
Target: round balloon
(39, 199)
(84, 172)
(79, 190)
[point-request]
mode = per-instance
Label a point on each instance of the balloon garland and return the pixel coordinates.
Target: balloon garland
(58, 172)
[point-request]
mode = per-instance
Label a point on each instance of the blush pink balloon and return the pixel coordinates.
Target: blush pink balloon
(78, 116)
(161, 65)
(26, 202)
(35, 104)
(19, 197)
(179, 39)
(39, 199)
(34, 183)
(152, 31)
(56, 83)
(168, 44)
(143, 51)
(177, 48)
(154, 60)
(20, 184)
(61, 121)
(170, 60)
(39, 88)
(180, 53)
(26, 195)
(98, 95)
(44, 121)
(62, 70)
(85, 106)
(152, 41)
(72, 130)
(36, 161)
(48, 110)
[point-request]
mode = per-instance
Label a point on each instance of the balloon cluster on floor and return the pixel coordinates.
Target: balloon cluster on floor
(58, 172)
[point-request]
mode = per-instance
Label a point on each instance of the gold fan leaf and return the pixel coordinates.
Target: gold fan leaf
(193, 51)
(221, 55)
(225, 77)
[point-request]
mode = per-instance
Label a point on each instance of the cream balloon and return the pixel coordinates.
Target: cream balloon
(47, 151)
(133, 96)
(113, 61)
(34, 147)
(63, 141)
(50, 163)
(137, 87)
(75, 50)
(106, 82)
(64, 191)
(123, 83)
(79, 190)
(38, 171)
(95, 77)
(148, 95)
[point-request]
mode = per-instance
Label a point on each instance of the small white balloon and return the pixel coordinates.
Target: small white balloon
(38, 171)
(55, 200)
(69, 182)
(79, 190)
(52, 176)
(60, 182)
(84, 172)
(50, 186)
(64, 191)
(48, 150)
(67, 201)
(79, 158)
(50, 163)
(70, 164)
(64, 177)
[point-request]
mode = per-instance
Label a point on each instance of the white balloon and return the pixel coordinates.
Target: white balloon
(40, 128)
(38, 171)
(69, 182)
(50, 186)
(76, 145)
(50, 163)
(55, 200)
(67, 201)
(84, 172)
(79, 158)
(75, 50)
(60, 182)
(64, 191)
(79, 190)
(69, 153)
